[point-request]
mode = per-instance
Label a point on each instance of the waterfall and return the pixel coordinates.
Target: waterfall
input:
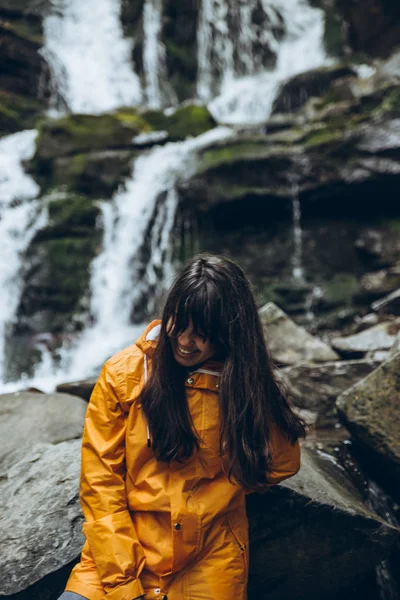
(92, 72)
(136, 261)
(297, 235)
(157, 90)
(89, 58)
(249, 99)
(20, 218)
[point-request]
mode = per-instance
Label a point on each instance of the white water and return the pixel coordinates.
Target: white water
(89, 58)
(249, 99)
(92, 73)
(157, 90)
(20, 218)
(297, 259)
(117, 281)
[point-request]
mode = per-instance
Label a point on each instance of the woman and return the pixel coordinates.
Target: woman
(180, 426)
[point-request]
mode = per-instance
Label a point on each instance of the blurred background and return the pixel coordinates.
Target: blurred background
(137, 133)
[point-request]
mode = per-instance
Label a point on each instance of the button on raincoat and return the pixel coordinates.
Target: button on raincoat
(164, 530)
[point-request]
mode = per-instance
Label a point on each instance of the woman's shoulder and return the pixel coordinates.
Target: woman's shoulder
(127, 367)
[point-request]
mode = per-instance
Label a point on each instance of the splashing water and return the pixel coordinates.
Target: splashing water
(126, 273)
(249, 99)
(88, 56)
(20, 217)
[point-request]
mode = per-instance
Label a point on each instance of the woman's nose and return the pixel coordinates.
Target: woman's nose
(186, 339)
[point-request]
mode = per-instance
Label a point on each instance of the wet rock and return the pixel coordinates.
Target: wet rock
(376, 338)
(28, 7)
(316, 387)
(290, 344)
(76, 134)
(295, 92)
(56, 266)
(380, 249)
(96, 174)
(83, 388)
(187, 120)
(41, 518)
(376, 284)
(389, 304)
(334, 540)
(371, 412)
(319, 509)
(179, 34)
(37, 418)
(371, 25)
(24, 73)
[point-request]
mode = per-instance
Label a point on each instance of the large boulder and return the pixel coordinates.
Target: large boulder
(316, 387)
(338, 154)
(371, 26)
(75, 134)
(290, 344)
(380, 337)
(41, 520)
(295, 92)
(37, 418)
(371, 412)
(83, 388)
(313, 537)
(317, 519)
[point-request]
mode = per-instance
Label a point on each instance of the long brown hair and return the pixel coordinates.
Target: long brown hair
(214, 293)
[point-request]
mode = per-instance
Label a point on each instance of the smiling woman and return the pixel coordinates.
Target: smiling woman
(179, 428)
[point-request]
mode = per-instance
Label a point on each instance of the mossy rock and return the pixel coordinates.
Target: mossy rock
(131, 13)
(179, 34)
(96, 174)
(341, 290)
(18, 112)
(58, 261)
(189, 120)
(76, 133)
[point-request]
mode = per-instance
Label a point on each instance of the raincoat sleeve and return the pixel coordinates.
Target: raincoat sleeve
(108, 528)
(285, 457)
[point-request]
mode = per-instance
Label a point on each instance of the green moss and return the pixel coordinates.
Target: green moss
(97, 174)
(18, 112)
(322, 137)
(187, 121)
(59, 257)
(341, 289)
(29, 29)
(78, 133)
(231, 153)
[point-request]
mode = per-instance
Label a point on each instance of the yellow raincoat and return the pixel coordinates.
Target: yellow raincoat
(170, 531)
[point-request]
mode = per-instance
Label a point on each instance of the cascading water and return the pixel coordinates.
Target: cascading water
(89, 58)
(92, 73)
(130, 271)
(297, 235)
(20, 217)
(249, 99)
(157, 90)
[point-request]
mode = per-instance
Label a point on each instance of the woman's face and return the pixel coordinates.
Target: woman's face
(190, 349)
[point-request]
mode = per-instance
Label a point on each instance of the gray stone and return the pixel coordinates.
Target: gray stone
(315, 533)
(41, 518)
(371, 412)
(316, 387)
(83, 388)
(376, 338)
(27, 419)
(288, 343)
